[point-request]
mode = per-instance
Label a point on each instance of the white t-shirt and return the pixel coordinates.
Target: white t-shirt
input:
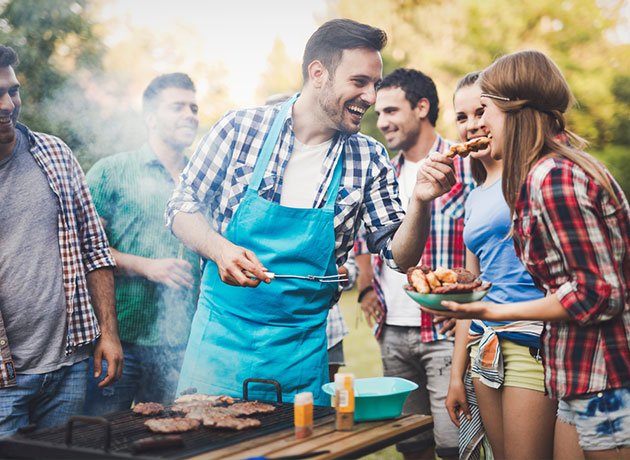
(401, 310)
(302, 175)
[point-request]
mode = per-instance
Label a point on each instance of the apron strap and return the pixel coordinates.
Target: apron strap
(333, 188)
(270, 142)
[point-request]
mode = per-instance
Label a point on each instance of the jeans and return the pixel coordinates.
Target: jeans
(45, 400)
(429, 365)
(150, 373)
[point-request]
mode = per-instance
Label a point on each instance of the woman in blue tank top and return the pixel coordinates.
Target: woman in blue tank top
(508, 378)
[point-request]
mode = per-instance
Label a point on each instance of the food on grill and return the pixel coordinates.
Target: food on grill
(156, 443)
(465, 148)
(444, 281)
(172, 425)
(252, 407)
(218, 400)
(148, 408)
(221, 417)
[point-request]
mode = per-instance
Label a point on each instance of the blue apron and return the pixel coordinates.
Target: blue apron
(277, 330)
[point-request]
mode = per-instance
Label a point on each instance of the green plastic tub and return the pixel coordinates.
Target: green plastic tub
(377, 398)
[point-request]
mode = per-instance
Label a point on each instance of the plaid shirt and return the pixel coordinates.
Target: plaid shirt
(82, 243)
(575, 244)
(218, 174)
(336, 328)
(445, 245)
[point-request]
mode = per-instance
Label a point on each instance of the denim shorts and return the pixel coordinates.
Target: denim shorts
(602, 419)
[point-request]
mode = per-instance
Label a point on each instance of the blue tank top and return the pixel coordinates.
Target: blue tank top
(486, 226)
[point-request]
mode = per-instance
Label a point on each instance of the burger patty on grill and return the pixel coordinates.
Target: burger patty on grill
(252, 407)
(172, 425)
(148, 408)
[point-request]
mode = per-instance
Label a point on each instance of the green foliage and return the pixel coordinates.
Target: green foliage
(617, 160)
(54, 40)
(447, 39)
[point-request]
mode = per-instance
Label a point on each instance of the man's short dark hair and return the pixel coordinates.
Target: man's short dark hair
(328, 42)
(416, 85)
(8, 56)
(162, 82)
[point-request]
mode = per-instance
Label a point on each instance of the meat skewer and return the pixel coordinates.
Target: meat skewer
(465, 148)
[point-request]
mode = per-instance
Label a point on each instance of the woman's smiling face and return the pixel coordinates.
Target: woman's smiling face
(468, 113)
(493, 119)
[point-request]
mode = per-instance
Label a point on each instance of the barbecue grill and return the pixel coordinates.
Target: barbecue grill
(119, 435)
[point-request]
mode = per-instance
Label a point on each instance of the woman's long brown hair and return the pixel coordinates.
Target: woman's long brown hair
(535, 124)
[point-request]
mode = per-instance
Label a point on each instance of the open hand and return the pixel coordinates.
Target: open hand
(472, 310)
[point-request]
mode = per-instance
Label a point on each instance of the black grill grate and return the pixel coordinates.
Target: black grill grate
(127, 427)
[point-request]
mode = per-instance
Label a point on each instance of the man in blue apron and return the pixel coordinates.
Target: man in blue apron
(283, 188)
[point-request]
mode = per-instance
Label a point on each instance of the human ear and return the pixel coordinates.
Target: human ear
(423, 106)
(317, 73)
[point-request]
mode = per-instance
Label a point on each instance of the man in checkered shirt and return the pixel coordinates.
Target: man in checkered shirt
(57, 299)
(285, 188)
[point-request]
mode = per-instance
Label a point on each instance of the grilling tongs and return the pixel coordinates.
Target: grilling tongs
(339, 278)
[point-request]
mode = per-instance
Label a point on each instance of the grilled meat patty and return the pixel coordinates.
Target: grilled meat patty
(251, 407)
(172, 425)
(148, 408)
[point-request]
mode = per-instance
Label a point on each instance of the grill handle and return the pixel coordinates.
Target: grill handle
(267, 381)
(90, 420)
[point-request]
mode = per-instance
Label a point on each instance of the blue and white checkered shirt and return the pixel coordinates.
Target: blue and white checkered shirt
(216, 178)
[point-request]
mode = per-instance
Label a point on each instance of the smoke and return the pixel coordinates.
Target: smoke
(93, 115)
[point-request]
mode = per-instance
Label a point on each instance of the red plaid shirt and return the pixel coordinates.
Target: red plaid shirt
(445, 245)
(574, 242)
(82, 243)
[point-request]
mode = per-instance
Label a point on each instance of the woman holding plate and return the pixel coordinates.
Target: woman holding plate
(507, 375)
(571, 227)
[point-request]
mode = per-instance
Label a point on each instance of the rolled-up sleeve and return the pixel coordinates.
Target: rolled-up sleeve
(204, 174)
(383, 210)
(95, 249)
(590, 283)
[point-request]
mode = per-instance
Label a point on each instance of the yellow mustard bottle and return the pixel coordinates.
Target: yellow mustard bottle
(344, 401)
(303, 414)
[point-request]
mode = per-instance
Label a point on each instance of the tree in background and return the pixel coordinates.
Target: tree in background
(283, 74)
(56, 42)
(447, 39)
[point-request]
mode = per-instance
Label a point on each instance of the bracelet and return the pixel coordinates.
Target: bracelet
(364, 291)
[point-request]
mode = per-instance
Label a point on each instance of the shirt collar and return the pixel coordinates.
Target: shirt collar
(147, 156)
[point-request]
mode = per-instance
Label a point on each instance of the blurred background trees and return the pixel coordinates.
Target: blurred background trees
(83, 84)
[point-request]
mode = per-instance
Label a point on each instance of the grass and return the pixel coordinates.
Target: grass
(362, 354)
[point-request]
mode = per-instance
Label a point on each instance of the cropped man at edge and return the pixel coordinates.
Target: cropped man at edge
(287, 186)
(413, 345)
(157, 278)
(57, 301)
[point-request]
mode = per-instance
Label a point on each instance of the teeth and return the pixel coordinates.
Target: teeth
(356, 108)
(489, 136)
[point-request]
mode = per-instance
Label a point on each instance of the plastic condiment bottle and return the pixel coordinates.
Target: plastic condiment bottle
(303, 413)
(344, 401)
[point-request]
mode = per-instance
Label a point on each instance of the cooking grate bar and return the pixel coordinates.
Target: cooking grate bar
(127, 427)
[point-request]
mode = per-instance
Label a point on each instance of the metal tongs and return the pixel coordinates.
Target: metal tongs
(322, 279)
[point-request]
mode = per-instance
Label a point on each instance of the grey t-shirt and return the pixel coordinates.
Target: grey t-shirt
(32, 298)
